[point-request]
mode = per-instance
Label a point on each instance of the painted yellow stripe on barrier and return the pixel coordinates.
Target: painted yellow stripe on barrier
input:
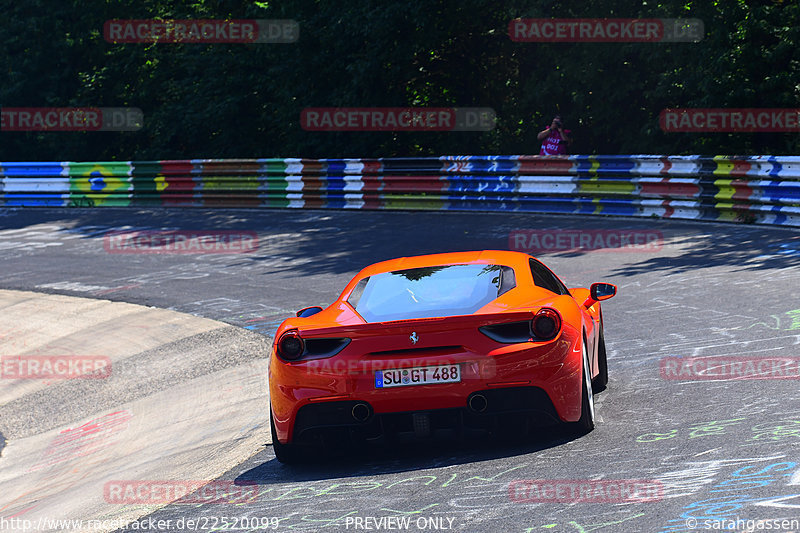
(727, 212)
(591, 171)
(413, 202)
(724, 166)
(598, 206)
(606, 187)
(227, 183)
(726, 190)
(594, 168)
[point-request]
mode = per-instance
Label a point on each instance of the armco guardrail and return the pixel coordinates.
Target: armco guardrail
(763, 189)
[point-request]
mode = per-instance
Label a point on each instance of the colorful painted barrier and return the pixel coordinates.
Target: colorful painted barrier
(760, 189)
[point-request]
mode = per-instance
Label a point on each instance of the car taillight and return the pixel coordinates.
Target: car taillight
(546, 324)
(291, 346)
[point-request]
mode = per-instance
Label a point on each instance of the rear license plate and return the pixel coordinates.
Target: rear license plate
(426, 375)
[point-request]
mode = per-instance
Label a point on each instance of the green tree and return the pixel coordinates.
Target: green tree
(245, 100)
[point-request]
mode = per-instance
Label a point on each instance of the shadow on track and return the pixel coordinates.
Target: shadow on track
(309, 242)
(394, 459)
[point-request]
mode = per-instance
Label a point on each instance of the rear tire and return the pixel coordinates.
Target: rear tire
(285, 453)
(586, 422)
(601, 381)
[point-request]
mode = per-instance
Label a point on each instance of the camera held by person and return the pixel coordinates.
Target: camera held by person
(555, 138)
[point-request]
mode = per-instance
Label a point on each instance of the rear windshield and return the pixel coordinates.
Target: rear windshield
(427, 292)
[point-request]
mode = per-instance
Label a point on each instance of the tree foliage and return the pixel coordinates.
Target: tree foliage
(245, 100)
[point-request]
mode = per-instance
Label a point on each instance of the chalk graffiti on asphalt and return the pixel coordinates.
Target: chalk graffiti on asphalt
(764, 431)
(730, 496)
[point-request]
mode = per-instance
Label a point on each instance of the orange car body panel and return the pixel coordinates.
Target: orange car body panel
(554, 366)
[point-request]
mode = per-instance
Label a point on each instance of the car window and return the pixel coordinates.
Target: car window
(543, 277)
(445, 290)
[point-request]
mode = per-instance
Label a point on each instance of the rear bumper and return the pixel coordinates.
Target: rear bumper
(334, 421)
(553, 370)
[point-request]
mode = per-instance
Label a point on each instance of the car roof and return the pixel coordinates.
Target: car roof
(515, 260)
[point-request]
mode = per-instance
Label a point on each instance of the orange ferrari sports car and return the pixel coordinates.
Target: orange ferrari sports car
(439, 344)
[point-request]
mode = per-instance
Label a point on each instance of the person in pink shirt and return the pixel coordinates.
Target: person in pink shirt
(555, 138)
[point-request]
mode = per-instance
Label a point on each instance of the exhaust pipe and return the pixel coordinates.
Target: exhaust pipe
(360, 412)
(478, 403)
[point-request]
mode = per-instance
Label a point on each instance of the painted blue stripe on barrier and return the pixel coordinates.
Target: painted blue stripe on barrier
(618, 208)
(706, 168)
(335, 202)
(335, 183)
(551, 204)
(484, 163)
(481, 184)
(609, 164)
(35, 195)
(499, 203)
(483, 197)
(623, 166)
(32, 169)
(478, 158)
(335, 166)
(504, 166)
(583, 164)
(34, 202)
(585, 206)
(776, 167)
(598, 167)
(457, 167)
(777, 191)
(479, 166)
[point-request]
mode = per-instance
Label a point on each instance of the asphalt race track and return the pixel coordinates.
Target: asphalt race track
(713, 449)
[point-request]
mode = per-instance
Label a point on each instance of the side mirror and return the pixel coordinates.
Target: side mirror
(602, 291)
(308, 311)
(599, 292)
